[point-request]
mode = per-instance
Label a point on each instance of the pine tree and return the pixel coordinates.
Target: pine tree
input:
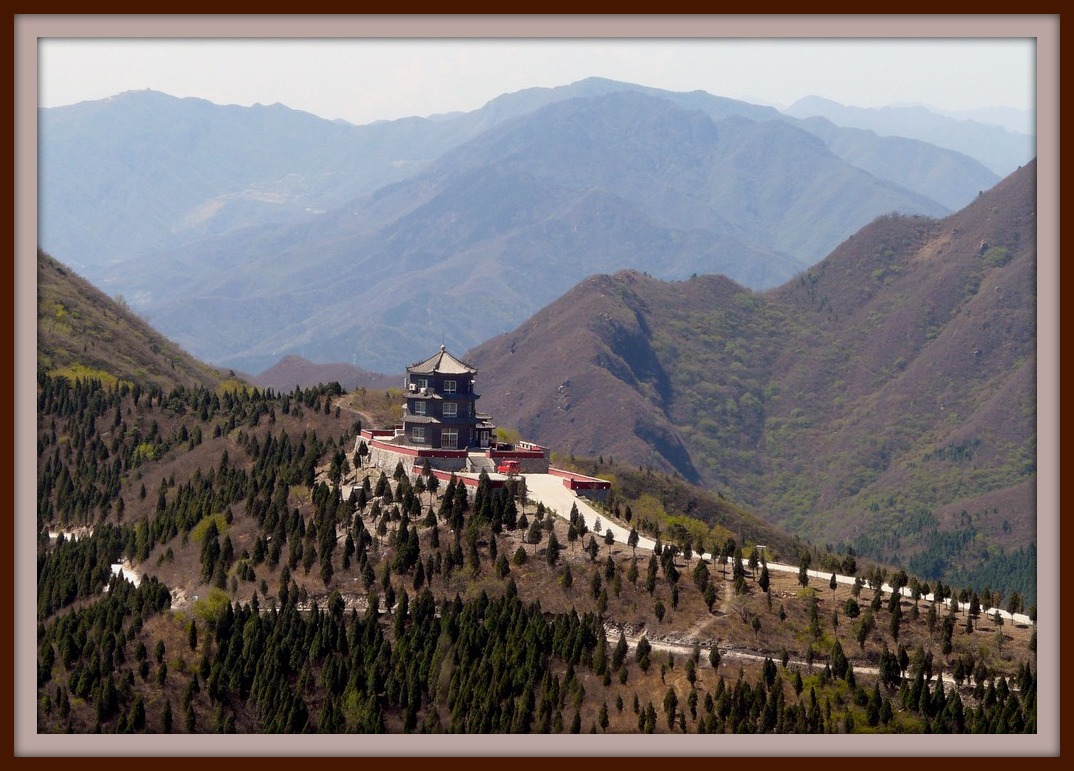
(643, 654)
(671, 703)
(533, 534)
(553, 548)
(714, 656)
(592, 549)
(620, 652)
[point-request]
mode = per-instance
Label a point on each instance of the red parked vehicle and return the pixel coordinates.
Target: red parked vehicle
(509, 467)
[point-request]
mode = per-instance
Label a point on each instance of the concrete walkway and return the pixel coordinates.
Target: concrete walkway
(550, 490)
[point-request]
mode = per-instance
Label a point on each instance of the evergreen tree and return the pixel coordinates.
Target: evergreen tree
(553, 548)
(592, 548)
(714, 656)
(620, 652)
(763, 581)
(643, 654)
(533, 534)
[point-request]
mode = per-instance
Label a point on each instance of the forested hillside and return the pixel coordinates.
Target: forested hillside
(215, 557)
(268, 601)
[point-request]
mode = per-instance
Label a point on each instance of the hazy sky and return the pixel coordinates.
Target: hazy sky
(363, 80)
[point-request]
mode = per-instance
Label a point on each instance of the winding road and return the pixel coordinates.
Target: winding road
(550, 490)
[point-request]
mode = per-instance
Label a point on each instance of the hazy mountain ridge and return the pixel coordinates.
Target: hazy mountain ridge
(998, 147)
(580, 186)
(292, 372)
(206, 245)
(940, 173)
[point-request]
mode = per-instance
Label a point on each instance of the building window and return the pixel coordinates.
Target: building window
(419, 408)
(451, 410)
(449, 386)
(449, 439)
(419, 433)
(423, 382)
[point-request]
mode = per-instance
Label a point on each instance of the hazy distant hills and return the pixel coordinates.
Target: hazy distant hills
(1000, 148)
(294, 371)
(940, 173)
(885, 397)
(141, 171)
(252, 233)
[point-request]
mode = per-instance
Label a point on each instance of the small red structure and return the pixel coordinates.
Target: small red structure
(509, 467)
(575, 481)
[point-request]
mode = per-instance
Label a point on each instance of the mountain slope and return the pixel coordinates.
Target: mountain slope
(83, 333)
(884, 397)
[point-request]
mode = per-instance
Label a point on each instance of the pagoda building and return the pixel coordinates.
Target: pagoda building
(441, 406)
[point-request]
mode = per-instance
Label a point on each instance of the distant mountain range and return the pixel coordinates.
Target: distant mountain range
(885, 398)
(294, 371)
(1001, 148)
(248, 234)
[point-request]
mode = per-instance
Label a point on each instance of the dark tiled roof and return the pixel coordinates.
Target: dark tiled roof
(420, 395)
(441, 363)
(420, 419)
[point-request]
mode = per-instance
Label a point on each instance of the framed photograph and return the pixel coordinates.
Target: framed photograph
(768, 304)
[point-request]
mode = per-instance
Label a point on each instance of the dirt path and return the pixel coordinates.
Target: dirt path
(729, 653)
